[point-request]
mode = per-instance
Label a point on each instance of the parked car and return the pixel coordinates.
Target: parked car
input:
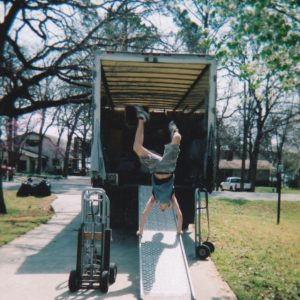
(234, 184)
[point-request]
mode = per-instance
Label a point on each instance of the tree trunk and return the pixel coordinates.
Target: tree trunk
(244, 151)
(245, 134)
(83, 156)
(218, 151)
(40, 159)
(2, 202)
(67, 156)
(244, 156)
(252, 171)
(253, 162)
(40, 146)
(69, 143)
(11, 134)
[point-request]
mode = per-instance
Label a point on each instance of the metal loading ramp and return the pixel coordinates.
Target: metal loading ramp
(164, 272)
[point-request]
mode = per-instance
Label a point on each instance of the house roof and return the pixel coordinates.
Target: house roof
(30, 154)
(236, 164)
(51, 142)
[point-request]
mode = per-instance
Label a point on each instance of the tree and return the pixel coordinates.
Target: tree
(273, 25)
(284, 124)
(23, 67)
(2, 149)
(226, 135)
(42, 133)
(291, 152)
(83, 135)
(128, 31)
(62, 36)
(257, 42)
(69, 117)
(260, 50)
(56, 39)
(199, 23)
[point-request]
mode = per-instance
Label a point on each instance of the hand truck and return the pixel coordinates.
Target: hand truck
(202, 249)
(93, 267)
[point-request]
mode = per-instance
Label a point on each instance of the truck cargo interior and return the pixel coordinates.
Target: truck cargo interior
(175, 87)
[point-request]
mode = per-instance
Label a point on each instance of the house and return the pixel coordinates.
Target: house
(233, 167)
(25, 153)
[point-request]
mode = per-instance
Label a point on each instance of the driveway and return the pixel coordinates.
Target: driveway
(36, 265)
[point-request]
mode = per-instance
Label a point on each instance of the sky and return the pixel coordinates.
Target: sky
(163, 23)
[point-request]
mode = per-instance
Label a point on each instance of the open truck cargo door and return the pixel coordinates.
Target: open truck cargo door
(97, 159)
(171, 86)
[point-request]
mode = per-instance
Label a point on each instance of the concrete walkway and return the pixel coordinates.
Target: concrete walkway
(36, 266)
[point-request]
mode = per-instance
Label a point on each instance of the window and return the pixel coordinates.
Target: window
(235, 180)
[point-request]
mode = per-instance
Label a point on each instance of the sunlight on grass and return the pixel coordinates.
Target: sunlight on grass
(23, 214)
(268, 189)
(258, 259)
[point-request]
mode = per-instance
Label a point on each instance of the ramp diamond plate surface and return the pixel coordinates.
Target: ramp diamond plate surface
(163, 268)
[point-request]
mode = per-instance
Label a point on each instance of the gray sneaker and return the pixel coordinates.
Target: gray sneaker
(141, 113)
(173, 128)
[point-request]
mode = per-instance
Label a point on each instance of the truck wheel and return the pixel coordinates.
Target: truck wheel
(202, 252)
(113, 270)
(74, 281)
(210, 245)
(104, 282)
(231, 188)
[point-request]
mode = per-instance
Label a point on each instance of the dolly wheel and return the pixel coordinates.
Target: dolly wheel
(210, 245)
(113, 270)
(104, 282)
(73, 281)
(202, 251)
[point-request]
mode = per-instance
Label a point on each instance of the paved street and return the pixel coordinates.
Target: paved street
(255, 196)
(75, 184)
(36, 266)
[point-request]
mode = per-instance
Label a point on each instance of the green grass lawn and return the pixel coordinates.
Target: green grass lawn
(257, 258)
(268, 189)
(23, 214)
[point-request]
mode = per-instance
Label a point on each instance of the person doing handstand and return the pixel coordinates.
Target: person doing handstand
(161, 168)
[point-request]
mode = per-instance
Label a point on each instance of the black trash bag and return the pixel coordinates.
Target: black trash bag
(42, 189)
(26, 189)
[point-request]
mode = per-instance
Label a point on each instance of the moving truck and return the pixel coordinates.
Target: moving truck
(179, 87)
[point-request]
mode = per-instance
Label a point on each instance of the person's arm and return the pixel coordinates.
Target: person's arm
(145, 214)
(178, 214)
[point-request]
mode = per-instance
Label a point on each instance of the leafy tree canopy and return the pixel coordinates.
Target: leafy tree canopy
(271, 29)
